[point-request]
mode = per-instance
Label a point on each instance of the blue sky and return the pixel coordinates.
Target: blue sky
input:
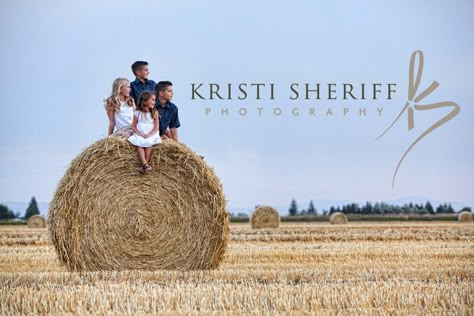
(59, 60)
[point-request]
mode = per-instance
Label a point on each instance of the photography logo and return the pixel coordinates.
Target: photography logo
(327, 99)
(412, 104)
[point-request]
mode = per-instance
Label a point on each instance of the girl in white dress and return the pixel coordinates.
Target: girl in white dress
(120, 108)
(145, 129)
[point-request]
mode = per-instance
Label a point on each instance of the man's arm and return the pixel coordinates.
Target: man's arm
(174, 133)
(166, 135)
(174, 126)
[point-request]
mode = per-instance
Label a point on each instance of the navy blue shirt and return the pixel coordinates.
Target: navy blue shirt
(168, 116)
(137, 87)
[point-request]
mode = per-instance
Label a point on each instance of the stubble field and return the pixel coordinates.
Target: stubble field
(314, 268)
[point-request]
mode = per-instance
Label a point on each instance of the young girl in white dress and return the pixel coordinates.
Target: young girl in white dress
(120, 107)
(145, 128)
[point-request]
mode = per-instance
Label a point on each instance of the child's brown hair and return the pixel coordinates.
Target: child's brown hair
(145, 96)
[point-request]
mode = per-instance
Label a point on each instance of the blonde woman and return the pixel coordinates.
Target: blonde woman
(120, 107)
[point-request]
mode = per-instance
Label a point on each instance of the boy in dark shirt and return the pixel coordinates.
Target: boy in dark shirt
(141, 83)
(169, 119)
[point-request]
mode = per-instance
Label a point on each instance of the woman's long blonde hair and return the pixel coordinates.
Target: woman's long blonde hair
(113, 102)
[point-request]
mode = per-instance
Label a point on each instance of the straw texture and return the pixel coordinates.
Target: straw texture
(105, 215)
(265, 217)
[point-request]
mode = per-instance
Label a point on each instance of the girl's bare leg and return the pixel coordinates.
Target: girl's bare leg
(148, 154)
(141, 154)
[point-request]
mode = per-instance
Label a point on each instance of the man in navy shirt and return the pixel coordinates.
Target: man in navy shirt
(169, 119)
(141, 83)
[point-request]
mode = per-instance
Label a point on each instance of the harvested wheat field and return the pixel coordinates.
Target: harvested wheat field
(358, 268)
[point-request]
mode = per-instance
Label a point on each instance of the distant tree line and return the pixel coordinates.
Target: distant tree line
(7, 214)
(293, 211)
(377, 208)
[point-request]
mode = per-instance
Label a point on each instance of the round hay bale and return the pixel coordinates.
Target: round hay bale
(465, 216)
(265, 217)
(36, 221)
(338, 218)
(105, 215)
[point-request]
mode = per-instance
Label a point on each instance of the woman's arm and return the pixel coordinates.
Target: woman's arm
(111, 115)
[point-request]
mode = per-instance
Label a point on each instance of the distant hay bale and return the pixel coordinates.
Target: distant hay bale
(265, 217)
(105, 215)
(465, 216)
(36, 221)
(338, 218)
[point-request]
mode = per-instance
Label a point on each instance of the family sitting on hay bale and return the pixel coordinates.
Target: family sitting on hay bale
(142, 112)
(97, 223)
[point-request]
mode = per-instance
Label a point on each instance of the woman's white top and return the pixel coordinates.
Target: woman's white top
(124, 116)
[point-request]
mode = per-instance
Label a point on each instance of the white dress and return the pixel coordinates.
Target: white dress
(145, 125)
(124, 117)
